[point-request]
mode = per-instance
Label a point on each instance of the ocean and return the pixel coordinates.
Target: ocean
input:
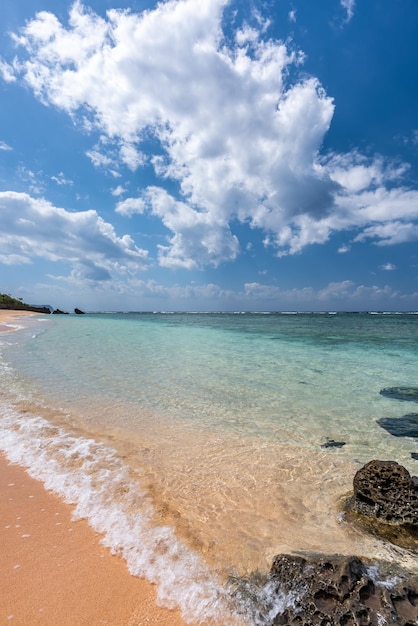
(202, 445)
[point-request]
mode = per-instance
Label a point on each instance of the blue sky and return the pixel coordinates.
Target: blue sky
(209, 155)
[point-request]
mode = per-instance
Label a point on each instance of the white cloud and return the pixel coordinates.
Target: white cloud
(99, 160)
(344, 248)
(61, 179)
(200, 238)
(34, 180)
(393, 232)
(7, 72)
(131, 157)
(334, 296)
(34, 228)
(292, 16)
(388, 267)
(348, 6)
(118, 191)
(239, 140)
(130, 206)
(4, 146)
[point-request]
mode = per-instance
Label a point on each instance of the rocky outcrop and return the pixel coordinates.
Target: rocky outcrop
(329, 590)
(59, 312)
(335, 590)
(386, 491)
(343, 591)
(385, 503)
(401, 393)
(78, 311)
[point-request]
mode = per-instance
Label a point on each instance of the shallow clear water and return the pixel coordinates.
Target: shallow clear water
(201, 435)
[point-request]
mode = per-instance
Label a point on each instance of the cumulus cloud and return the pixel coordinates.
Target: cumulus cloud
(229, 131)
(34, 228)
(393, 232)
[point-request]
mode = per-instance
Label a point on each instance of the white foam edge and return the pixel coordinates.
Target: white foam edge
(86, 473)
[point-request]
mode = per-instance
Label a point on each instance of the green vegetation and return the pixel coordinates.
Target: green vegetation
(7, 302)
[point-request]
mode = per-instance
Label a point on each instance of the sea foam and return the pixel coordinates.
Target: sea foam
(90, 476)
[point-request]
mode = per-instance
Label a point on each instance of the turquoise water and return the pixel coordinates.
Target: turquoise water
(216, 425)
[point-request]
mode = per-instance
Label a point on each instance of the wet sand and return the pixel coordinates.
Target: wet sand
(10, 318)
(53, 570)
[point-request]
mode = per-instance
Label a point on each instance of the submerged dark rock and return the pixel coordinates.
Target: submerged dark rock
(333, 444)
(414, 455)
(406, 426)
(401, 393)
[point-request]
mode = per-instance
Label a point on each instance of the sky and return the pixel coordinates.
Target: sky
(209, 155)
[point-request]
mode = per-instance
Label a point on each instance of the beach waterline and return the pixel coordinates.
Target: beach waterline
(185, 502)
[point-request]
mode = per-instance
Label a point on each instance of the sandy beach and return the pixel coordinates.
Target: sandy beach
(54, 570)
(8, 318)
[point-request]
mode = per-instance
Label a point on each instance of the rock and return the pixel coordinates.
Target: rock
(39, 309)
(333, 444)
(78, 311)
(401, 393)
(406, 426)
(337, 590)
(385, 503)
(414, 455)
(385, 490)
(59, 312)
(329, 590)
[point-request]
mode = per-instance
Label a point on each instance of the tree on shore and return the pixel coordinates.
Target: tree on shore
(16, 304)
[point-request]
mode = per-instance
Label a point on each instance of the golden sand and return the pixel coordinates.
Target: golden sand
(54, 571)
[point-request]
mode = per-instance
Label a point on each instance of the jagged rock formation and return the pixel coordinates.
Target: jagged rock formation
(341, 591)
(78, 311)
(59, 312)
